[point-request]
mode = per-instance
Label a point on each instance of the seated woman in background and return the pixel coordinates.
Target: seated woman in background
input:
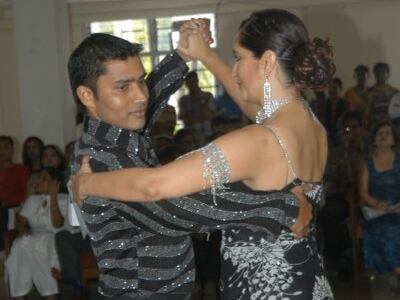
(379, 189)
(33, 253)
(52, 156)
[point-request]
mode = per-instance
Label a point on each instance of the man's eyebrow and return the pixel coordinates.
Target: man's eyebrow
(129, 80)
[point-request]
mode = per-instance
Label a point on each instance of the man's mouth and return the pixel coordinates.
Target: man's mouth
(138, 113)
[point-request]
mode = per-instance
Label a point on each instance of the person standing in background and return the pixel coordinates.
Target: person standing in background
(197, 109)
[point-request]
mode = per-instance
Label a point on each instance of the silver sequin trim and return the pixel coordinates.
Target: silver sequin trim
(124, 263)
(164, 274)
(185, 278)
(99, 218)
(216, 169)
(164, 250)
(118, 283)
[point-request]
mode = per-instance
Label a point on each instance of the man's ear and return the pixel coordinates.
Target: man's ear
(86, 96)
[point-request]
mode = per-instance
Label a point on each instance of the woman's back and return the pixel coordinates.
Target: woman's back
(294, 147)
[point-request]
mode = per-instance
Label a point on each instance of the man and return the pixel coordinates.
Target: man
(142, 249)
(197, 109)
(13, 184)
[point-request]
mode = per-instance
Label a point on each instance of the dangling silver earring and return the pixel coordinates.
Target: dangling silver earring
(269, 105)
(265, 112)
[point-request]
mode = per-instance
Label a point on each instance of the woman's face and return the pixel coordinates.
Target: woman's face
(33, 150)
(248, 73)
(384, 137)
(50, 158)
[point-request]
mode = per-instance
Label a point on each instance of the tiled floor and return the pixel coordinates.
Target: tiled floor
(362, 289)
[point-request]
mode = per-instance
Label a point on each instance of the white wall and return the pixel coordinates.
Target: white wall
(361, 33)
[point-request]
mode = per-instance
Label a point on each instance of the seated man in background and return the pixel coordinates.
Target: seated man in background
(13, 185)
(33, 253)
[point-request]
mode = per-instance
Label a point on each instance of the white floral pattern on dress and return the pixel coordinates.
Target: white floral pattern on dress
(263, 266)
(322, 289)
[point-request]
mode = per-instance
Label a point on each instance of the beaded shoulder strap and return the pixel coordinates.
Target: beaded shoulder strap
(285, 152)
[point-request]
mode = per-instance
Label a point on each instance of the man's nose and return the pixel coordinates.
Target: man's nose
(141, 94)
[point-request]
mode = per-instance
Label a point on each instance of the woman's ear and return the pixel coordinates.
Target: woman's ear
(269, 61)
(86, 96)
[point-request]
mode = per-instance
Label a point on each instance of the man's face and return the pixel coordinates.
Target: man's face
(122, 94)
(6, 151)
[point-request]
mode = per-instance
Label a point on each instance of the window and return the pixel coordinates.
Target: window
(159, 37)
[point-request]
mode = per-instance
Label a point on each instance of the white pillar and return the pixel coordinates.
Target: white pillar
(42, 46)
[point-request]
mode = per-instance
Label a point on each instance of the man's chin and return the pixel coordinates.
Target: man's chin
(136, 125)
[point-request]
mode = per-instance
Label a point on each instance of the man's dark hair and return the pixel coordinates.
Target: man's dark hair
(86, 62)
(361, 68)
(8, 139)
(381, 65)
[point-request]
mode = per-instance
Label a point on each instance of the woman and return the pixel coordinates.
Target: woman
(379, 94)
(33, 253)
(379, 189)
(31, 153)
(53, 157)
(274, 60)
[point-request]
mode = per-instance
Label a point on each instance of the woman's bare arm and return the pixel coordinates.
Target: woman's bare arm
(197, 48)
(181, 177)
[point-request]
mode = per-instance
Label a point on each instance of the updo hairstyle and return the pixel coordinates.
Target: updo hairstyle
(305, 63)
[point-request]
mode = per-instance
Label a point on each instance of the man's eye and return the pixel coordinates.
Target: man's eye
(124, 87)
(142, 81)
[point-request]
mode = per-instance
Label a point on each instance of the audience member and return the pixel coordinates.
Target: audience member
(52, 156)
(165, 123)
(226, 107)
(184, 140)
(356, 95)
(379, 189)
(33, 253)
(379, 94)
(32, 152)
(341, 174)
(196, 110)
(336, 106)
(13, 185)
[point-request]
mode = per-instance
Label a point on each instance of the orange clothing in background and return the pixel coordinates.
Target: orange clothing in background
(13, 185)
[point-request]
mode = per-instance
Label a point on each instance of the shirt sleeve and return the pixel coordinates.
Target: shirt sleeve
(162, 82)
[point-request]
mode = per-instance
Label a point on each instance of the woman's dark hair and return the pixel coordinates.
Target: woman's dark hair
(54, 173)
(59, 154)
(25, 158)
(378, 126)
(306, 64)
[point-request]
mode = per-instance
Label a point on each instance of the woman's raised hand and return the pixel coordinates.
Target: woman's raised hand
(195, 39)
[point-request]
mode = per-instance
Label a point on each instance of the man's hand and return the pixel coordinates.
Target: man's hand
(194, 26)
(78, 181)
(302, 225)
